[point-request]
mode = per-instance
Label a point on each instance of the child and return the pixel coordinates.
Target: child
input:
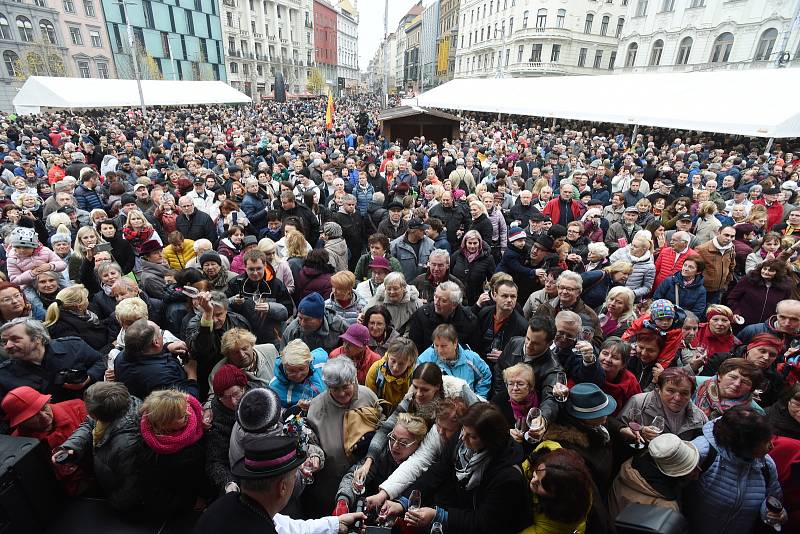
(28, 258)
(390, 377)
(666, 319)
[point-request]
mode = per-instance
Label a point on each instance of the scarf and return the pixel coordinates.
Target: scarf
(470, 465)
(471, 256)
(709, 401)
(106, 289)
(722, 250)
(520, 409)
(98, 432)
(173, 443)
(674, 420)
(137, 236)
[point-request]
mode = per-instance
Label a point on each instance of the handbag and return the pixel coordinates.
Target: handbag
(358, 425)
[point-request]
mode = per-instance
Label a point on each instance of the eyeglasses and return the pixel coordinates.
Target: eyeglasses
(516, 385)
(399, 442)
(564, 336)
(570, 289)
(9, 300)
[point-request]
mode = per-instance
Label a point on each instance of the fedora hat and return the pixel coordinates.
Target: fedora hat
(268, 457)
(673, 456)
(588, 401)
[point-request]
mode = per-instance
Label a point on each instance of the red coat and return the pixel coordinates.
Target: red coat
(667, 264)
(67, 416)
(363, 366)
(553, 210)
(674, 340)
(786, 454)
(774, 213)
(714, 343)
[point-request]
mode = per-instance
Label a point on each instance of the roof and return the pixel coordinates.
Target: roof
(77, 93)
(719, 101)
(409, 111)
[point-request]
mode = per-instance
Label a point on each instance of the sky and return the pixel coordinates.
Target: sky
(370, 25)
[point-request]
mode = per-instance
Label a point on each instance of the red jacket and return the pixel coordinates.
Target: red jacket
(774, 213)
(553, 210)
(363, 366)
(786, 454)
(667, 264)
(712, 342)
(626, 386)
(674, 339)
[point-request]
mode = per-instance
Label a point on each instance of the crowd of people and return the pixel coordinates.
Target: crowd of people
(237, 313)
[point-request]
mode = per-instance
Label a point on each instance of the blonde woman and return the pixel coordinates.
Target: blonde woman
(638, 254)
(86, 242)
(617, 312)
(707, 224)
(480, 220)
(137, 230)
(69, 315)
(238, 347)
(296, 250)
(521, 386)
(597, 283)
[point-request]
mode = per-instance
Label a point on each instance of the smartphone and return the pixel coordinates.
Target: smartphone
(190, 291)
(103, 247)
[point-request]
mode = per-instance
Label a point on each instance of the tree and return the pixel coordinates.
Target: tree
(316, 82)
(148, 65)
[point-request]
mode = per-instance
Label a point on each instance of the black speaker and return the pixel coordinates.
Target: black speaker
(280, 87)
(29, 494)
(649, 519)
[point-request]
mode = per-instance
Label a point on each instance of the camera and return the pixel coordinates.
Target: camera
(70, 376)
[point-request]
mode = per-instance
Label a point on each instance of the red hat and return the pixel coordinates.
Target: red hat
(765, 339)
(226, 377)
(22, 403)
(379, 262)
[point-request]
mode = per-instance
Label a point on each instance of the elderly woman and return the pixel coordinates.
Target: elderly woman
(174, 451)
(455, 360)
(69, 315)
(475, 486)
(597, 283)
(521, 384)
(596, 256)
(111, 437)
(707, 224)
(620, 383)
(326, 413)
(107, 274)
(282, 269)
(732, 386)
(685, 288)
(737, 475)
(42, 291)
(390, 377)
(401, 299)
(344, 301)
(716, 335)
(335, 245)
(257, 362)
(473, 264)
(671, 402)
(297, 374)
(757, 295)
(229, 386)
(618, 312)
(637, 253)
(381, 331)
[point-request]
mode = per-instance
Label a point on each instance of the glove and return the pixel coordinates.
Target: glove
(341, 508)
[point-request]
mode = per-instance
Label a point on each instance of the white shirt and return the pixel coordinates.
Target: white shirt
(287, 525)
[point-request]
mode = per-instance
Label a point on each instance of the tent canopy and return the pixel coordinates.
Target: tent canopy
(77, 93)
(757, 103)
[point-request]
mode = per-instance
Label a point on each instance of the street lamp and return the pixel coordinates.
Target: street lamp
(134, 61)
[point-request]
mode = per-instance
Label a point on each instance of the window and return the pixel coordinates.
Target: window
(5, 28)
(541, 18)
(612, 59)
(722, 48)
(11, 60)
(519, 53)
(684, 50)
(102, 70)
(536, 53)
(630, 59)
(604, 25)
(525, 20)
(598, 59)
(620, 25)
(75, 35)
(555, 53)
(25, 29)
(83, 69)
(582, 57)
(189, 21)
(35, 64)
(698, 3)
(587, 26)
(655, 53)
(94, 36)
(234, 68)
(511, 25)
(48, 31)
(147, 7)
(88, 8)
(667, 6)
(641, 8)
(562, 14)
(40, 3)
(69, 6)
(766, 44)
(508, 55)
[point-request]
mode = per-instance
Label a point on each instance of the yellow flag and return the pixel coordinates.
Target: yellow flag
(329, 113)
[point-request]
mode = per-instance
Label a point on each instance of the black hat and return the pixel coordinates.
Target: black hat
(417, 224)
(210, 256)
(199, 181)
(268, 457)
(545, 242)
(127, 198)
(685, 217)
(67, 209)
(395, 205)
(539, 217)
(771, 191)
(234, 168)
(123, 161)
(557, 231)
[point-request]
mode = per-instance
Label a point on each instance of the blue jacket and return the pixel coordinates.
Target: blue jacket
(692, 298)
(149, 373)
(291, 392)
(596, 285)
(88, 199)
(513, 263)
(254, 208)
(468, 366)
(363, 197)
(729, 496)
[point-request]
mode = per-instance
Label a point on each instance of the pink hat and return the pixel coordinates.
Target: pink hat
(380, 263)
(357, 334)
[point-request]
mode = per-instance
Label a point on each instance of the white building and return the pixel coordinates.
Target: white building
(263, 37)
(347, 44)
(428, 42)
(537, 38)
(688, 35)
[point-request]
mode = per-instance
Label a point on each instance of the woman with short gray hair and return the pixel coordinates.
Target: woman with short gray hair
(326, 414)
(399, 298)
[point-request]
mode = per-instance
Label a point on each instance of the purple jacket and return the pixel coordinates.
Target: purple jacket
(756, 302)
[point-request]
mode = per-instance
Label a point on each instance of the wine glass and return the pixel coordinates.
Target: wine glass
(658, 424)
(415, 500)
(359, 482)
(560, 389)
(534, 420)
(635, 424)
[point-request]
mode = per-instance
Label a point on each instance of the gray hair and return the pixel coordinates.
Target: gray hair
(395, 278)
(35, 329)
(200, 243)
(218, 299)
(565, 183)
(349, 198)
(599, 248)
(378, 197)
(105, 266)
(453, 290)
(682, 236)
(569, 317)
(339, 372)
(437, 252)
(571, 276)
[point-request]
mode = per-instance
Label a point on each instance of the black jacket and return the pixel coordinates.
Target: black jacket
(205, 345)
(454, 219)
(310, 222)
(473, 275)
(196, 226)
(423, 322)
(149, 373)
(514, 326)
(99, 336)
(234, 512)
(264, 325)
(353, 231)
(483, 226)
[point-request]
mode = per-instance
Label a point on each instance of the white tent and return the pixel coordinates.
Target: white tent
(80, 93)
(758, 103)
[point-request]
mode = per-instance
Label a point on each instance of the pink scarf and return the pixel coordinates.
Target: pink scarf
(172, 443)
(521, 409)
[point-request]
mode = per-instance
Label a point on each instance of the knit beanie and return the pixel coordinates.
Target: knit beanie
(24, 235)
(228, 376)
(516, 233)
(332, 229)
(259, 409)
(127, 198)
(662, 309)
(312, 305)
(210, 256)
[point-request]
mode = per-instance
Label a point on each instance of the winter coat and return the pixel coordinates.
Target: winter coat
(718, 272)
(619, 231)
(97, 335)
(411, 264)
(631, 487)
(178, 259)
(483, 226)
(148, 373)
(644, 271)
(116, 456)
(453, 219)
(572, 434)
(427, 289)
(312, 280)
(401, 311)
(337, 254)
(254, 209)
(386, 386)
(691, 297)
(651, 406)
(515, 325)
(674, 337)
(19, 268)
(754, 300)
(730, 494)
(553, 210)
(473, 275)
(422, 323)
(667, 263)
(87, 199)
(196, 226)
(596, 285)
(152, 279)
(545, 369)
(291, 392)
(227, 249)
(349, 313)
(363, 272)
(467, 366)
(326, 337)
(218, 442)
(363, 197)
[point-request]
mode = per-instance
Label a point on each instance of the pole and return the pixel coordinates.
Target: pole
(385, 54)
(172, 60)
(133, 56)
(769, 146)
(783, 57)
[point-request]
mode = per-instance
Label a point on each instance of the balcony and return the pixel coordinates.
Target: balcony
(694, 67)
(538, 68)
(234, 53)
(244, 33)
(230, 3)
(544, 33)
(258, 36)
(271, 38)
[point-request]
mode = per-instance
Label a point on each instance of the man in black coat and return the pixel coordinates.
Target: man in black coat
(454, 218)
(446, 308)
(352, 229)
(195, 224)
(500, 322)
(289, 206)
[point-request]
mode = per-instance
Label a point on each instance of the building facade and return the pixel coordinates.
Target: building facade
(170, 39)
(411, 59)
(348, 77)
(692, 35)
(429, 36)
(447, 40)
(264, 37)
(325, 42)
(547, 37)
(83, 24)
